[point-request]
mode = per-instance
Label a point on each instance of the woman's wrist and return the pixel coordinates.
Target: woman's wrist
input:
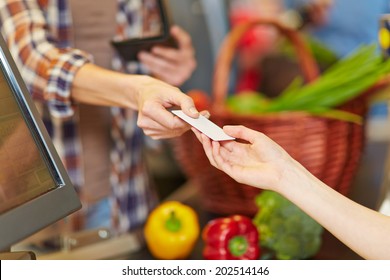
(130, 87)
(136, 87)
(295, 179)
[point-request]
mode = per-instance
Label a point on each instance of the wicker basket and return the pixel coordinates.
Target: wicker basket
(328, 148)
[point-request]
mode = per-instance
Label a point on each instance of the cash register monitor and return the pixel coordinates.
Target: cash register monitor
(35, 190)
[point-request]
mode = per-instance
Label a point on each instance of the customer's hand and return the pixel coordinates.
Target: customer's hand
(260, 162)
(171, 65)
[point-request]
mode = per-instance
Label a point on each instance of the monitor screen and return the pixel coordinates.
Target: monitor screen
(24, 174)
(35, 190)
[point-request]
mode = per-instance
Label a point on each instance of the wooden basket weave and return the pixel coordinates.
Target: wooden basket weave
(328, 148)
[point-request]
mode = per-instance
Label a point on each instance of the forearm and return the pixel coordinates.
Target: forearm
(363, 230)
(98, 86)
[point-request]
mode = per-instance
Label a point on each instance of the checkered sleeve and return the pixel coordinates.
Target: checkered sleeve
(47, 65)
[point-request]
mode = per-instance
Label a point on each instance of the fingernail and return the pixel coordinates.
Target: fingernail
(193, 110)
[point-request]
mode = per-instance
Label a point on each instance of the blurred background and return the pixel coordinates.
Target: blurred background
(259, 66)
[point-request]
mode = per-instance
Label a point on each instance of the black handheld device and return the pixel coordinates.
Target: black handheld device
(128, 49)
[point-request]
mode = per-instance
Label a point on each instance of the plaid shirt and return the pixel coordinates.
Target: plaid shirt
(38, 33)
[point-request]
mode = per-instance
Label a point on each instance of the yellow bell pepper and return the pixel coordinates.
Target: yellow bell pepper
(171, 231)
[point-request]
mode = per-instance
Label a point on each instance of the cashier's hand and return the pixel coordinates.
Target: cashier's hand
(171, 65)
(154, 99)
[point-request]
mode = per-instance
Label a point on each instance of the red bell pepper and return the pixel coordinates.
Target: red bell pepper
(231, 238)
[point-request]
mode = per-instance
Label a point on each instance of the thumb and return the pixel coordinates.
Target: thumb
(241, 132)
(188, 107)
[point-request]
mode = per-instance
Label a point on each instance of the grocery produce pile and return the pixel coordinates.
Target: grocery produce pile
(173, 229)
(346, 79)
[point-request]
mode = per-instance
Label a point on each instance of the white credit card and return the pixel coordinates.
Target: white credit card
(205, 126)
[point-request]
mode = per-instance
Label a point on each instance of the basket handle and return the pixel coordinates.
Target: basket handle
(306, 61)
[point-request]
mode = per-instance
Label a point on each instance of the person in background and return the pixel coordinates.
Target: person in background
(256, 42)
(257, 53)
(92, 107)
(261, 163)
(344, 25)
